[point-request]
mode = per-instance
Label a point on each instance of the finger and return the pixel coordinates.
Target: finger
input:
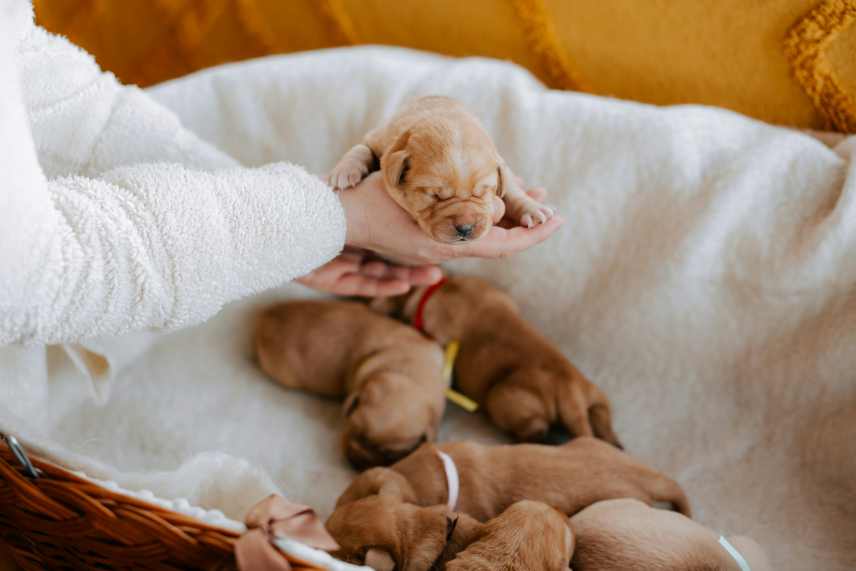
(376, 268)
(502, 242)
(425, 275)
(367, 286)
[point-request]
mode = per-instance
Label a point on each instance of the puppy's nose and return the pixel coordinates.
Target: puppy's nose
(464, 230)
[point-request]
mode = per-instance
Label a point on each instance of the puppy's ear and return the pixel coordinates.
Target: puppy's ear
(506, 183)
(500, 188)
(451, 524)
(351, 404)
(379, 559)
(395, 162)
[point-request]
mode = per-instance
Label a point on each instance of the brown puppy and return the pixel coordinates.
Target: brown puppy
(387, 534)
(390, 374)
(523, 382)
(491, 478)
(627, 535)
(526, 536)
(440, 165)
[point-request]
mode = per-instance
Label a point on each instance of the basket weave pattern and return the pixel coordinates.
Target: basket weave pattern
(61, 521)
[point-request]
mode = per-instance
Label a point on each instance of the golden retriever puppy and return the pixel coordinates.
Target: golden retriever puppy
(441, 166)
(385, 534)
(524, 383)
(389, 374)
(483, 481)
(526, 536)
(627, 535)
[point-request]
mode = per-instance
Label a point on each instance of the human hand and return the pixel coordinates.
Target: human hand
(377, 223)
(358, 273)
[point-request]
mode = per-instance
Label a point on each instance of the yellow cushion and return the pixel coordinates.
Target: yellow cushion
(791, 61)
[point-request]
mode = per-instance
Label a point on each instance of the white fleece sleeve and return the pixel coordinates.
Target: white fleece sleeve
(149, 245)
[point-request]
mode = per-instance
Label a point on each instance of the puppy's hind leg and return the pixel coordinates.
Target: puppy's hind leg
(518, 409)
(352, 167)
(664, 489)
(600, 416)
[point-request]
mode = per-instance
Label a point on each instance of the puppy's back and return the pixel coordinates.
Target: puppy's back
(528, 535)
(309, 344)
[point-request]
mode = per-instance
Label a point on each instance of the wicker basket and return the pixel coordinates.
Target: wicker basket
(59, 520)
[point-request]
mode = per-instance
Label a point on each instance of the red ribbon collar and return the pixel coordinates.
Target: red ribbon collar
(419, 317)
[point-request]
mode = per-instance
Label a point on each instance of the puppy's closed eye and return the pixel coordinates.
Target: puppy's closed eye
(439, 193)
(351, 404)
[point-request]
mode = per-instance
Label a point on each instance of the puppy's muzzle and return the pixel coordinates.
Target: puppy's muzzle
(363, 454)
(464, 230)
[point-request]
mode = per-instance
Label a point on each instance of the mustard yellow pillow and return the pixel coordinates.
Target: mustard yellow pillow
(787, 61)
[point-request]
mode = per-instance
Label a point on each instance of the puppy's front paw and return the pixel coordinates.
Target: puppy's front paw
(533, 213)
(347, 173)
(539, 215)
(529, 212)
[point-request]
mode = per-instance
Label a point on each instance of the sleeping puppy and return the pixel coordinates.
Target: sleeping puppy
(526, 536)
(440, 165)
(627, 535)
(385, 534)
(525, 384)
(389, 373)
(491, 478)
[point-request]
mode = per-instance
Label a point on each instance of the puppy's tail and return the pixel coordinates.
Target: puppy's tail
(667, 490)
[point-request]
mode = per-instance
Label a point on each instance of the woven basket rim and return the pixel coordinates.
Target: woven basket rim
(62, 520)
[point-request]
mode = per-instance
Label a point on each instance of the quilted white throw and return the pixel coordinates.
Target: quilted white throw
(706, 280)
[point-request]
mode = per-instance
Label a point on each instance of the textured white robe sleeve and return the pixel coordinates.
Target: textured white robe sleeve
(89, 250)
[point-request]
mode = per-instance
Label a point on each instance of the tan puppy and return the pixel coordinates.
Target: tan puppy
(568, 477)
(627, 535)
(387, 534)
(526, 536)
(525, 384)
(390, 373)
(440, 165)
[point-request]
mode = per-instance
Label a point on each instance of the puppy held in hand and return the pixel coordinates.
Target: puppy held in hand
(440, 165)
(389, 374)
(385, 534)
(483, 481)
(525, 384)
(627, 535)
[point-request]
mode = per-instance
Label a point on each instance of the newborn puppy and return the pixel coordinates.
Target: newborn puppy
(440, 165)
(525, 384)
(526, 536)
(491, 478)
(390, 374)
(627, 535)
(386, 534)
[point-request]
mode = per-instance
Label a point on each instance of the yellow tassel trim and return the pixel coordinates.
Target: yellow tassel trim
(543, 41)
(805, 46)
(338, 21)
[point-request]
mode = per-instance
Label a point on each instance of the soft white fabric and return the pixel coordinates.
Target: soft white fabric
(705, 279)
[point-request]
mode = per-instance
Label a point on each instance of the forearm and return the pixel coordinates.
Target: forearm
(161, 246)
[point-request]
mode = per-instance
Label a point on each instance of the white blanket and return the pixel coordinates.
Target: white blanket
(705, 280)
